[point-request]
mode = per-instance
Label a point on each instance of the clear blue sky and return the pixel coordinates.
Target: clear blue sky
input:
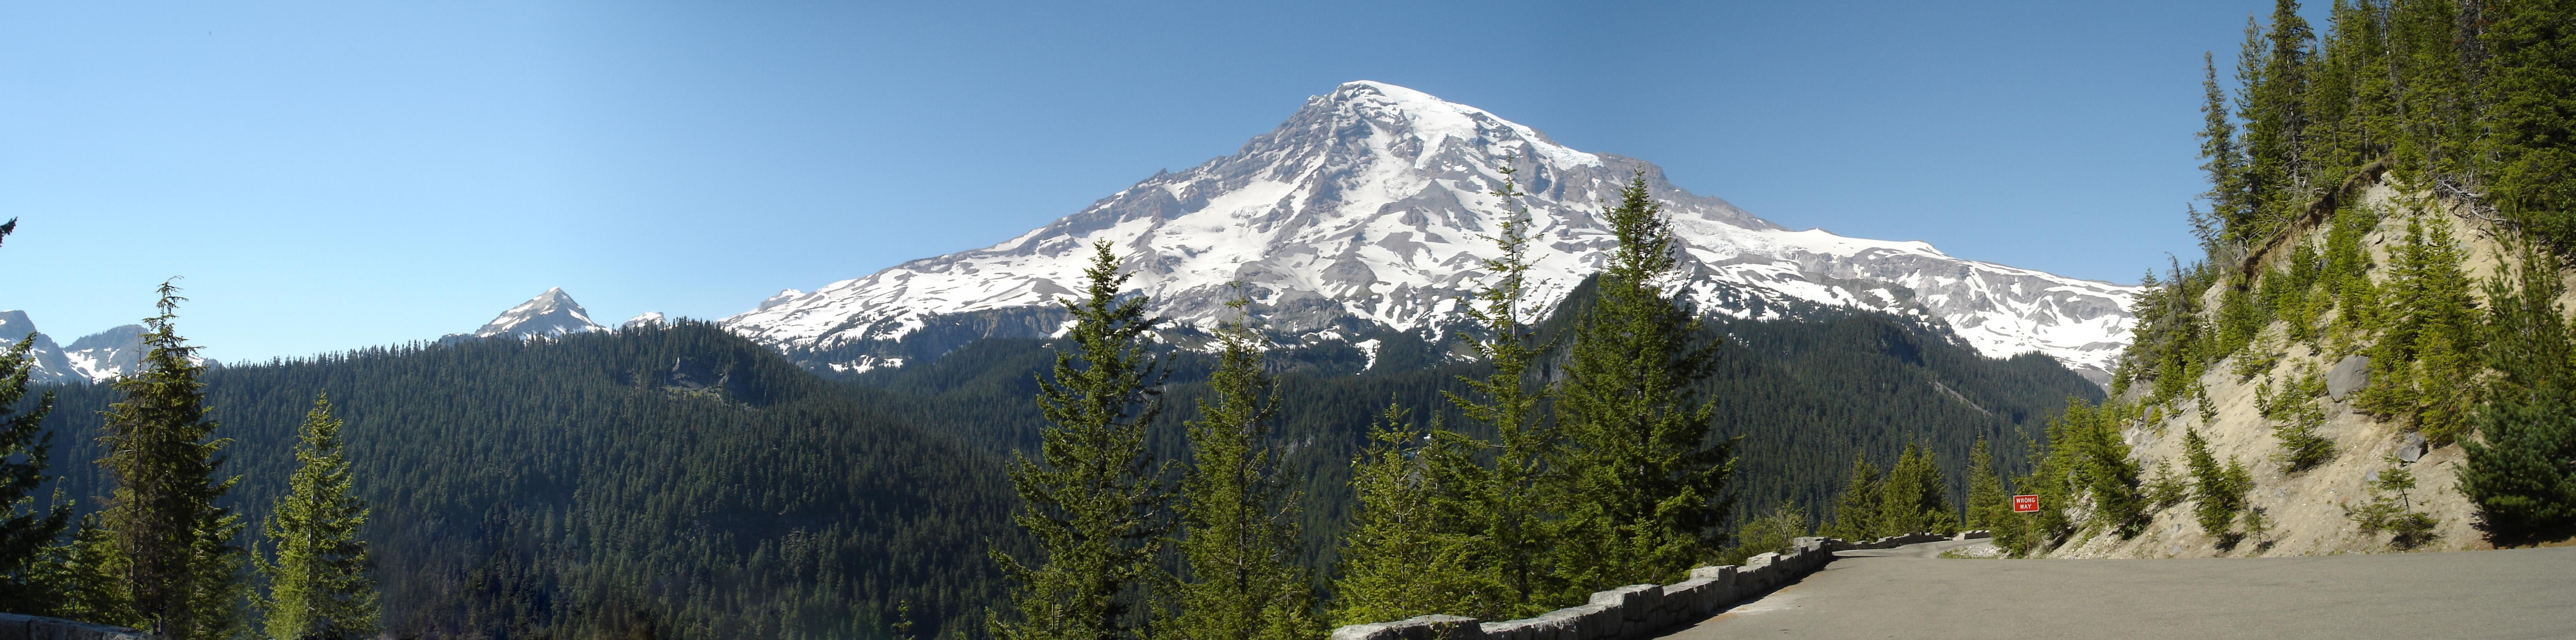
(331, 175)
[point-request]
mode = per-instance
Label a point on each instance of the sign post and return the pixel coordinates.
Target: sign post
(2026, 504)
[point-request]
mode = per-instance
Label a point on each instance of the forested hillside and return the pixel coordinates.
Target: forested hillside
(675, 482)
(2374, 352)
(1807, 396)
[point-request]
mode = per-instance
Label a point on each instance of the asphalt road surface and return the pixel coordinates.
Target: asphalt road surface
(1907, 592)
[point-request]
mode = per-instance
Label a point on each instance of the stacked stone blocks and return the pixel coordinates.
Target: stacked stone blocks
(1640, 611)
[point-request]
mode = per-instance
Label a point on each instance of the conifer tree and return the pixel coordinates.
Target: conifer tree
(2421, 364)
(1915, 498)
(1401, 557)
(1237, 539)
(25, 447)
(2521, 469)
(1648, 485)
(2531, 344)
(1095, 502)
(2529, 72)
(2275, 117)
(1987, 501)
(1856, 510)
(2219, 490)
(2087, 443)
(318, 586)
(182, 566)
(2225, 165)
(1508, 497)
(92, 577)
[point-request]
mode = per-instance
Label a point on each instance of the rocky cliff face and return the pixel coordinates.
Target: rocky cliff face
(1365, 213)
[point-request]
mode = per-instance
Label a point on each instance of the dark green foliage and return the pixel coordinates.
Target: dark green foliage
(178, 543)
(1988, 503)
(2422, 367)
(1508, 485)
(2219, 490)
(2530, 344)
(26, 583)
(1094, 499)
(2528, 98)
(2225, 164)
(92, 575)
(527, 489)
(1401, 556)
(2521, 471)
(2276, 118)
(1805, 396)
(1646, 484)
(2089, 447)
(1237, 545)
(680, 480)
(30, 582)
(320, 586)
(1914, 498)
(1856, 508)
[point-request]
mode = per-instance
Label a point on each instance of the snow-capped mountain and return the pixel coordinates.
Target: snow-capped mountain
(1365, 212)
(94, 358)
(550, 314)
(645, 320)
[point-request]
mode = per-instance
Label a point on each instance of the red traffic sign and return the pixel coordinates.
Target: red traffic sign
(2025, 504)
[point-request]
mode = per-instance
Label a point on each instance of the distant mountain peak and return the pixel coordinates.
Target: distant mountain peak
(1366, 210)
(550, 314)
(94, 358)
(645, 320)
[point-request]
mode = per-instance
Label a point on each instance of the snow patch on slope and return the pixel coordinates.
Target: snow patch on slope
(1369, 205)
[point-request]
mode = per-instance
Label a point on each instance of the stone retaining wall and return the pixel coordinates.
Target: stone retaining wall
(18, 627)
(1642, 610)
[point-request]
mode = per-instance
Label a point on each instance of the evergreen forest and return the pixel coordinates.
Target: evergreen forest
(683, 482)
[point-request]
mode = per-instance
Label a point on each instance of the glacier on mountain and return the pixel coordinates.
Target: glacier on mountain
(1367, 209)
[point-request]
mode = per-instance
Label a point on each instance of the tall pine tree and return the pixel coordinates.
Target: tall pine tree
(1238, 541)
(318, 587)
(1508, 502)
(1856, 509)
(183, 568)
(1915, 497)
(1095, 501)
(2225, 165)
(1987, 501)
(1647, 485)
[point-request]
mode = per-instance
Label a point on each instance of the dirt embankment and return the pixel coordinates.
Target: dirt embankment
(2307, 510)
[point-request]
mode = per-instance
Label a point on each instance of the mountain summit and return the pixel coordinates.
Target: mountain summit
(1365, 212)
(94, 358)
(550, 314)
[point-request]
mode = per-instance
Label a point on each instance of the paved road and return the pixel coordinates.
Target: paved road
(1908, 593)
